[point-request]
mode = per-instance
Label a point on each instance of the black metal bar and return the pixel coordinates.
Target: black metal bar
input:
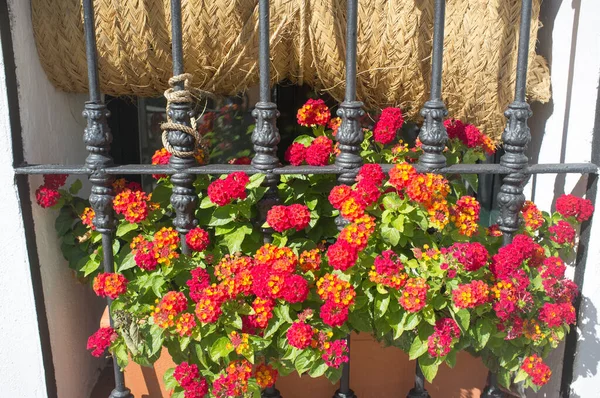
(433, 133)
(184, 198)
(523, 54)
(91, 52)
(418, 391)
(265, 137)
(350, 134)
(492, 390)
(97, 138)
(218, 169)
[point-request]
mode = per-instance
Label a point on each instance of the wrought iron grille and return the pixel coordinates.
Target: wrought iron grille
(513, 166)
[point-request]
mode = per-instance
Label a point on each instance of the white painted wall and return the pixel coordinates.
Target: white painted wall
(20, 343)
(52, 132)
(571, 42)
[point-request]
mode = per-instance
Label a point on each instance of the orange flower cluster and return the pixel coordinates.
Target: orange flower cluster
(110, 285)
(310, 260)
(234, 383)
(540, 372)
(263, 311)
(133, 205)
(465, 215)
(240, 342)
(414, 296)
(280, 259)
(331, 288)
(208, 307)
(87, 217)
(429, 190)
(164, 245)
(265, 375)
(356, 235)
(313, 113)
(185, 324)
(532, 329)
(172, 304)
(471, 295)
(532, 215)
(235, 275)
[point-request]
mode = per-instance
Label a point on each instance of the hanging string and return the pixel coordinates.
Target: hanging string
(186, 95)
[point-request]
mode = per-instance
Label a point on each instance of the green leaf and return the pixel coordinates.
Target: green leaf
(169, 380)
(120, 352)
(429, 366)
(463, 318)
(75, 187)
(392, 201)
(318, 369)
(64, 221)
(398, 223)
(127, 263)
(381, 305)
(235, 239)
(90, 266)
(304, 361)
(412, 321)
(221, 216)
(472, 180)
(206, 203)
(157, 339)
(504, 378)
(125, 227)
(360, 320)
(220, 349)
(483, 330)
(256, 181)
(304, 139)
(520, 376)
(274, 325)
(284, 313)
(451, 359)
(417, 348)
(390, 235)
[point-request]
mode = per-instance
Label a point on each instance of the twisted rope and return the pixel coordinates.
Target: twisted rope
(179, 97)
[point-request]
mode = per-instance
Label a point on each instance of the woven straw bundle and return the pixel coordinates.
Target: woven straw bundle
(307, 46)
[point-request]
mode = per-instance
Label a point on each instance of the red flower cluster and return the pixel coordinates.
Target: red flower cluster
(110, 285)
(562, 233)
(465, 215)
(573, 206)
(334, 354)
(87, 217)
(240, 160)
(134, 205)
(121, 184)
(510, 257)
(414, 295)
(540, 372)
(185, 324)
(172, 304)
(555, 315)
(338, 195)
(553, 267)
(532, 215)
(235, 275)
(338, 296)
(388, 270)
(101, 340)
(46, 197)
(469, 135)
(446, 331)
(282, 218)
(387, 126)
(371, 173)
(472, 256)
(263, 311)
(318, 153)
(299, 335)
(234, 383)
(55, 181)
(274, 275)
(510, 294)
(197, 239)
(208, 306)
(471, 295)
(160, 157)
(342, 255)
(188, 377)
(313, 113)
(199, 281)
(223, 191)
(265, 375)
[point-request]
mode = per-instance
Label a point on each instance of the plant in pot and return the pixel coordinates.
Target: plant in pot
(399, 255)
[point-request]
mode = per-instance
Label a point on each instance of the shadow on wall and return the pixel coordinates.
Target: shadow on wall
(588, 359)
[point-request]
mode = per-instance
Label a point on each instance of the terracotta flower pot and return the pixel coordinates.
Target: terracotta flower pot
(376, 372)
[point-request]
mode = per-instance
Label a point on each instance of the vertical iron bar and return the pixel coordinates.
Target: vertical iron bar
(515, 138)
(418, 391)
(184, 198)
(350, 134)
(265, 136)
(97, 137)
(433, 134)
(349, 137)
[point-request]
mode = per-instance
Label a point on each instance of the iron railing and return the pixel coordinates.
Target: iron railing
(513, 166)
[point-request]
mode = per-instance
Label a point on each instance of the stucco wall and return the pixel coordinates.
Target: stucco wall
(52, 133)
